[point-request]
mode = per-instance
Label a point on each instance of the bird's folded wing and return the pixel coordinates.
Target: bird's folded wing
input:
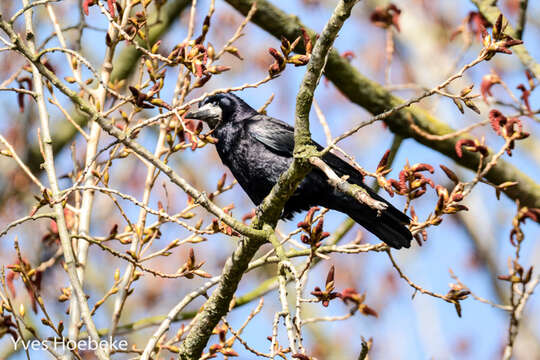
(275, 134)
(278, 137)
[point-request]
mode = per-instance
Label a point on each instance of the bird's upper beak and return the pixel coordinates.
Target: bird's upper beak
(209, 113)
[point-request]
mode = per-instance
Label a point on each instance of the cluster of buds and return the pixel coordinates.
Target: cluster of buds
(195, 57)
(147, 100)
(30, 277)
(149, 234)
(472, 145)
(314, 235)
(351, 295)
(382, 171)
(191, 268)
(65, 295)
(190, 132)
(281, 351)
(524, 213)
(411, 180)
(447, 203)
(87, 3)
(386, 17)
(7, 325)
(44, 199)
(517, 274)
(281, 60)
(328, 294)
(221, 227)
(455, 295)
(224, 347)
(134, 28)
(510, 129)
(467, 99)
(498, 41)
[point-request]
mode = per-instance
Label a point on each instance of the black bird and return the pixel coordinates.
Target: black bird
(258, 149)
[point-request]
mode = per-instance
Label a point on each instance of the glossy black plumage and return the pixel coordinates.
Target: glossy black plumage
(258, 149)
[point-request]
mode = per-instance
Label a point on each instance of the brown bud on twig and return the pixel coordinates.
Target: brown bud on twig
(234, 51)
(299, 60)
(451, 175)
(525, 94)
(470, 145)
(487, 82)
(386, 17)
(217, 69)
(86, 4)
(328, 293)
(307, 41)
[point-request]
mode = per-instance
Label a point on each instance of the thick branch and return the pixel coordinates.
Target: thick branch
(522, 20)
(374, 98)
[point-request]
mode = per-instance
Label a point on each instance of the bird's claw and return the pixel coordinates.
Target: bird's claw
(258, 211)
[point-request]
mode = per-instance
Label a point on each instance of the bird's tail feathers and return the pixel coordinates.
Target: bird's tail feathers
(390, 225)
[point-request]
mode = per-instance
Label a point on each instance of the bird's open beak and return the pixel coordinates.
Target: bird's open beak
(208, 113)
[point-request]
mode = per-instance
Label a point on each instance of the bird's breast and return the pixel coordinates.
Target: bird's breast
(255, 167)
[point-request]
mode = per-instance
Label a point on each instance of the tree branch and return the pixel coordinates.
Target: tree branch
(342, 185)
(522, 20)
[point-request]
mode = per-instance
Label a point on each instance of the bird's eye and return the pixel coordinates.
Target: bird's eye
(224, 102)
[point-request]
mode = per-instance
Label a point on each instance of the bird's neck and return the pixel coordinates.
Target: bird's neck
(227, 135)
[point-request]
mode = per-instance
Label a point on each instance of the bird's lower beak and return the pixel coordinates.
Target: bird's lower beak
(207, 112)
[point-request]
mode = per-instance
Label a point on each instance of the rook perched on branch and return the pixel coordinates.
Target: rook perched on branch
(258, 149)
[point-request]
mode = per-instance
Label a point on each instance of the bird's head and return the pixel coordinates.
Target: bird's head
(220, 109)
